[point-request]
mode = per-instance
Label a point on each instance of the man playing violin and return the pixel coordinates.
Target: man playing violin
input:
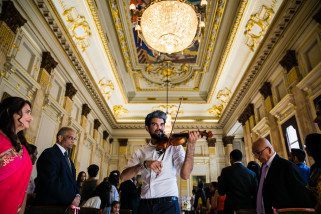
(158, 169)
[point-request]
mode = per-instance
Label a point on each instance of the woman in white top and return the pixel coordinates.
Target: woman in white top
(100, 197)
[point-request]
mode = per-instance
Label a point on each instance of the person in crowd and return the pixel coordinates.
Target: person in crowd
(200, 197)
(255, 167)
(15, 163)
(56, 180)
(115, 207)
(298, 158)
(193, 199)
(313, 149)
(32, 150)
(213, 198)
(220, 200)
(91, 183)
(159, 166)
(129, 198)
(238, 183)
(81, 178)
(99, 197)
(317, 119)
(280, 185)
(113, 179)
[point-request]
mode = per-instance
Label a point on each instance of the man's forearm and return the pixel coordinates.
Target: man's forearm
(188, 162)
(130, 172)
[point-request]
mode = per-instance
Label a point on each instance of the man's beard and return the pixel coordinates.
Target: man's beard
(160, 136)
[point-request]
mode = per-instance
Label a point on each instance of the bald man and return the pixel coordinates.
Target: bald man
(280, 185)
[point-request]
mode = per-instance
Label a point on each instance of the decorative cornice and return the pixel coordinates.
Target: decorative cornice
(48, 63)
(267, 44)
(70, 90)
(265, 90)
(289, 60)
(227, 140)
(177, 126)
(105, 135)
(74, 56)
(317, 17)
(11, 16)
(123, 141)
(97, 124)
(211, 142)
(85, 110)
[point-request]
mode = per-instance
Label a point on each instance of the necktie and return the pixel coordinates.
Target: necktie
(67, 159)
(259, 197)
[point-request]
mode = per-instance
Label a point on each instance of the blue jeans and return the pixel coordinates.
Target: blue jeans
(164, 205)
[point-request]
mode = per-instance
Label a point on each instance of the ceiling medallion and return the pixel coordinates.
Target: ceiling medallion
(106, 87)
(169, 26)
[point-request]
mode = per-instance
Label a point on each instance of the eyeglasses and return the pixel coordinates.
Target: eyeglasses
(71, 138)
(259, 153)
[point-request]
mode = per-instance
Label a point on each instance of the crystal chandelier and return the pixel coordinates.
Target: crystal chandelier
(169, 26)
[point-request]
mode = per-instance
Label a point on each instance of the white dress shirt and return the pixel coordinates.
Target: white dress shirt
(165, 184)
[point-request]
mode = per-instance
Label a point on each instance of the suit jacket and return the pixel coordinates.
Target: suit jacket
(283, 186)
(128, 195)
(240, 186)
(55, 182)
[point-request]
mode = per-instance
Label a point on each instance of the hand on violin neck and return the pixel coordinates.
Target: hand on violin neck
(193, 136)
(154, 165)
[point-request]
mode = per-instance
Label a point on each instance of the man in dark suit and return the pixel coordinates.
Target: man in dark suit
(129, 197)
(56, 179)
(280, 185)
(238, 183)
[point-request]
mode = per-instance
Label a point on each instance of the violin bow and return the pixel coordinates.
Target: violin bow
(179, 106)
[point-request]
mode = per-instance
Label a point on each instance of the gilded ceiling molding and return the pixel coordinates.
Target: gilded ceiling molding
(93, 10)
(227, 49)
(260, 20)
(216, 110)
(289, 11)
(220, 7)
(171, 109)
(119, 110)
(224, 95)
(106, 87)
(177, 126)
(58, 28)
(79, 27)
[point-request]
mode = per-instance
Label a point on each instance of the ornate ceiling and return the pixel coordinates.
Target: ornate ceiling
(131, 78)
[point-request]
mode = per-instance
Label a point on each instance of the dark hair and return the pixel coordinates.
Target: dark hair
(313, 146)
(114, 203)
(31, 148)
(103, 191)
(63, 131)
(155, 114)
(254, 167)
(299, 153)
(93, 170)
(114, 177)
(79, 177)
(236, 155)
(8, 108)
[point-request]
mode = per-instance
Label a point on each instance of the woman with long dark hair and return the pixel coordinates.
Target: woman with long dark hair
(15, 163)
(81, 178)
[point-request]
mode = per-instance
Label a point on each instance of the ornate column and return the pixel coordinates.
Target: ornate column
(97, 124)
(122, 152)
(293, 76)
(228, 146)
(46, 69)
(275, 134)
(10, 22)
(69, 94)
(82, 135)
(211, 153)
(106, 156)
(248, 122)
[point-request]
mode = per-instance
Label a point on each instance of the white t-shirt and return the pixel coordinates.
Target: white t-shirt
(165, 184)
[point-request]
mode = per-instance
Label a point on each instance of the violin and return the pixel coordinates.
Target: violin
(179, 139)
